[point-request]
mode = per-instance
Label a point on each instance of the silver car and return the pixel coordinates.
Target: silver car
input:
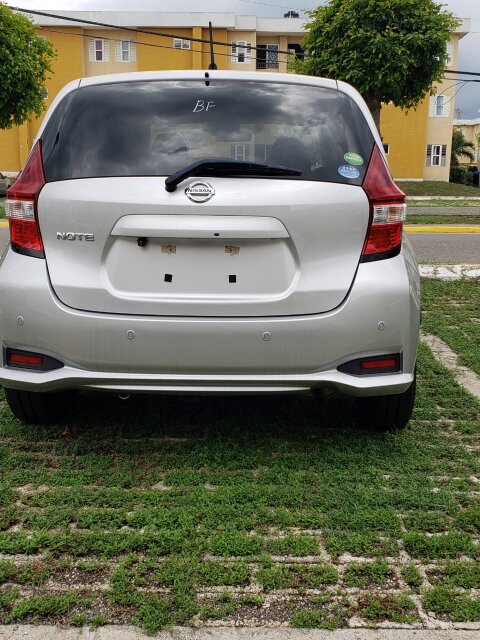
(205, 233)
(5, 182)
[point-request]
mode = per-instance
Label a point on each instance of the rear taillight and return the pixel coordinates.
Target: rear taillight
(387, 211)
(21, 206)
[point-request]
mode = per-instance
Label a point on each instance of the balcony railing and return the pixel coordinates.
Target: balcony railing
(261, 64)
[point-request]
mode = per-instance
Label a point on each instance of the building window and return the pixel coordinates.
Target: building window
(295, 50)
(261, 152)
(450, 54)
(98, 50)
(240, 152)
(436, 155)
(179, 43)
(241, 51)
(386, 148)
(267, 56)
(125, 51)
(439, 106)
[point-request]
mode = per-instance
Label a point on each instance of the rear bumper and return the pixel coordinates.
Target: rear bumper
(69, 378)
(290, 354)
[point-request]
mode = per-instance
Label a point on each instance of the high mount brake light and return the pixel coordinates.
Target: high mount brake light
(21, 206)
(387, 211)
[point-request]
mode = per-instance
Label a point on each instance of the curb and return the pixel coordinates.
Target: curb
(450, 271)
(118, 632)
(3, 223)
(441, 229)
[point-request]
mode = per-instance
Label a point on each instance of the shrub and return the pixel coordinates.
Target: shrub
(458, 175)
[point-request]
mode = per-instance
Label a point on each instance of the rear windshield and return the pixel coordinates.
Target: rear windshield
(156, 128)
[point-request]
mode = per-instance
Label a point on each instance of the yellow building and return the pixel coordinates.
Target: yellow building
(471, 132)
(86, 50)
(417, 143)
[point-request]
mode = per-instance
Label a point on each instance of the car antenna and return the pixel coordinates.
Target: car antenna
(212, 64)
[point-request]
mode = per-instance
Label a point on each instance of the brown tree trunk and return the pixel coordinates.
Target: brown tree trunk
(374, 104)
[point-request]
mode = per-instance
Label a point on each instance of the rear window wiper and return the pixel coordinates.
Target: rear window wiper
(217, 167)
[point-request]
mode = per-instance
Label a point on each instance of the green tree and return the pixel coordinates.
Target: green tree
(461, 147)
(389, 50)
(25, 61)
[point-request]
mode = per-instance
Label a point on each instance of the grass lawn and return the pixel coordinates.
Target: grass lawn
(2, 208)
(165, 511)
(452, 312)
(432, 188)
(443, 203)
(424, 218)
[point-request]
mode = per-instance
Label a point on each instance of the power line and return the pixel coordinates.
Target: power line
(453, 85)
(463, 84)
(463, 73)
(135, 30)
(137, 42)
(464, 81)
(172, 35)
(164, 46)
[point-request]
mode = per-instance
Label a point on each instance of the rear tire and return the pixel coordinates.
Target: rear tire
(38, 408)
(386, 413)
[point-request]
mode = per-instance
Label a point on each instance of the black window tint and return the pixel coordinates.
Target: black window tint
(156, 128)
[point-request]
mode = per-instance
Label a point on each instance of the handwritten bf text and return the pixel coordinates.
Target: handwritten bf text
(204, 106)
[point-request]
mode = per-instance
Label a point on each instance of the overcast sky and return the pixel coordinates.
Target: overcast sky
(467, 99)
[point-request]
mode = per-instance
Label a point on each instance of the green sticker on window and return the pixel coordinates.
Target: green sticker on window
(353, 158)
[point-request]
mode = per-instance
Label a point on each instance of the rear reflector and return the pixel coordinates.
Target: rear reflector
(19, 359)
(21, 206)
(22, 358)
(387, 211)
(388, 363)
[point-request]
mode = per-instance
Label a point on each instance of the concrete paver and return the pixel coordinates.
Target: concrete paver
(449, 271)
(464, 376)
(112, 632)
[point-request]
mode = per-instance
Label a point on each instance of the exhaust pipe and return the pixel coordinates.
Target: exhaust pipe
(124, 396)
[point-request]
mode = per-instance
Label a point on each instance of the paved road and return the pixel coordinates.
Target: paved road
(447, 248)
(3, 239)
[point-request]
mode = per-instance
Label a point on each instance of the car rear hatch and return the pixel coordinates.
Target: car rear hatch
(117, 241)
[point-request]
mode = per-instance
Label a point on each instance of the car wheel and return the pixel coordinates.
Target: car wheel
(38, 408)
(385, 413)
